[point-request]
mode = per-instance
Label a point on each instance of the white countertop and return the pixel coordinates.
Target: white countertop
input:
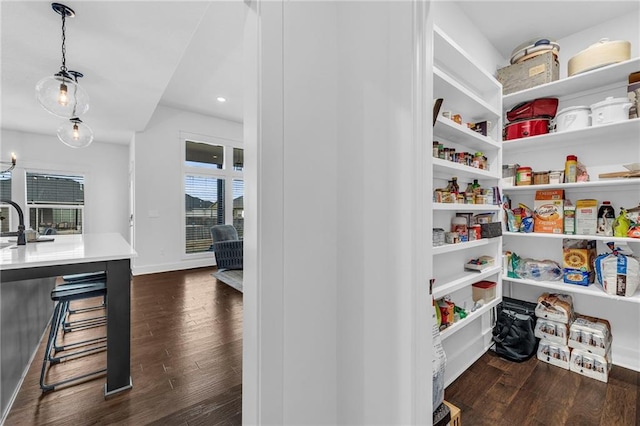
(66, 249)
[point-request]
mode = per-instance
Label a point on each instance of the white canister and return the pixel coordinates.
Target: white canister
(610, 110)
(572, 118)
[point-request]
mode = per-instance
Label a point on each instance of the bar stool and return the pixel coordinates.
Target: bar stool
(55, 353)
(85, 278)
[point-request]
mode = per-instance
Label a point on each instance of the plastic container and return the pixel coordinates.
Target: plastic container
(555, 177)
(606, 216)
(523, 176)
(485, 290)
(571, 169)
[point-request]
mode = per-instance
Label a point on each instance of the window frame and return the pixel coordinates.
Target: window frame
(227, 173)
(8, 225)
(28, 205)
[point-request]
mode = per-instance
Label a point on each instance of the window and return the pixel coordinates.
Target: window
(55, 201)
(204, 207)
(5, 194)
(214, 191)
(238, 206)
(204, 155)
(238, 159)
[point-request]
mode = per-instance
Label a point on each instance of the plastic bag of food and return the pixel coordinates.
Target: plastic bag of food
(617, 272)
(538, 270)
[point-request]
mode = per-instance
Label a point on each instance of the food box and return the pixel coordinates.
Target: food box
(533, 72)
(578, 261)
(552, 331)
(485, 290)
(549, 211)
(555, 307)
(590, 364)
(586, 217)
(590, 334)
(554, 353)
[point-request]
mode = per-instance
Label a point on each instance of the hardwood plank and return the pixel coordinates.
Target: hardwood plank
(186, 359)
(495, 391)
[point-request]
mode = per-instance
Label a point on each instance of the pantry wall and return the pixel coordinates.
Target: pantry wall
(601, 150)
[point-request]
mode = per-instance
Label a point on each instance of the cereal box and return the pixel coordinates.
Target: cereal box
(549, 211)
(578, 261)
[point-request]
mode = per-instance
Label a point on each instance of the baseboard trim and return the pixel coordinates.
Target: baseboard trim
(167, 267)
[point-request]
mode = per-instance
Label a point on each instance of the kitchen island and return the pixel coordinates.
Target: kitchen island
(72, 254)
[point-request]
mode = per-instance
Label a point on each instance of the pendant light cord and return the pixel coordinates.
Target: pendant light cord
(63, 67)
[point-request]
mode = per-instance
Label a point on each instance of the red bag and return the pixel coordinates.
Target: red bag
(538, 108)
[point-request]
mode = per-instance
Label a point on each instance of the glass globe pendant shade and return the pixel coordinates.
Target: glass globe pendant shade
(75, 133)
(62, 96)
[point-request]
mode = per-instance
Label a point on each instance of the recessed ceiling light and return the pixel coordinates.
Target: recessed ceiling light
(221, 99)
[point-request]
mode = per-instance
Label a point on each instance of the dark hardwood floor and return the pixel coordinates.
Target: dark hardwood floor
(187, 370)
(186, 362)
(499, 392)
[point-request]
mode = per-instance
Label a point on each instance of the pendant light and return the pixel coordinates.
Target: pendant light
(75, 133)
(60, 94)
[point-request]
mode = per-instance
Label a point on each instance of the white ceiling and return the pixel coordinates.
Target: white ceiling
(136, 55)
(508, 23)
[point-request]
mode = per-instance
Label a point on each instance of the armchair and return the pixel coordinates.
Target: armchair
(227, 247)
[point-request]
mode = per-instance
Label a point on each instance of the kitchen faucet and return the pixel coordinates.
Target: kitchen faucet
(22, 239)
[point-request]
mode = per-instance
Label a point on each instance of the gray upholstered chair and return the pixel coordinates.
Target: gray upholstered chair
(227, 247)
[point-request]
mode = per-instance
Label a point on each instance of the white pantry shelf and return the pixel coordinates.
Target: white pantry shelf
(562, 287)
(457, 326)
(462, 280)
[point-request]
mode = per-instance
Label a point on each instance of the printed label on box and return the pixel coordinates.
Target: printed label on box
(537, 70)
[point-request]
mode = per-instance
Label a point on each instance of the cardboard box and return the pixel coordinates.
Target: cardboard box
(555, 307)
(590, 334)
(455, 414)
(577, 261)
(554, 353)
(533, 72)
(549, 211)
(552, 331)
(586, 217)
(591, 365)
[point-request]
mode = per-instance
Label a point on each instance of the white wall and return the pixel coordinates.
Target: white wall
(105, 167)
(159, 198)
(454, 22)
(329, 283)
